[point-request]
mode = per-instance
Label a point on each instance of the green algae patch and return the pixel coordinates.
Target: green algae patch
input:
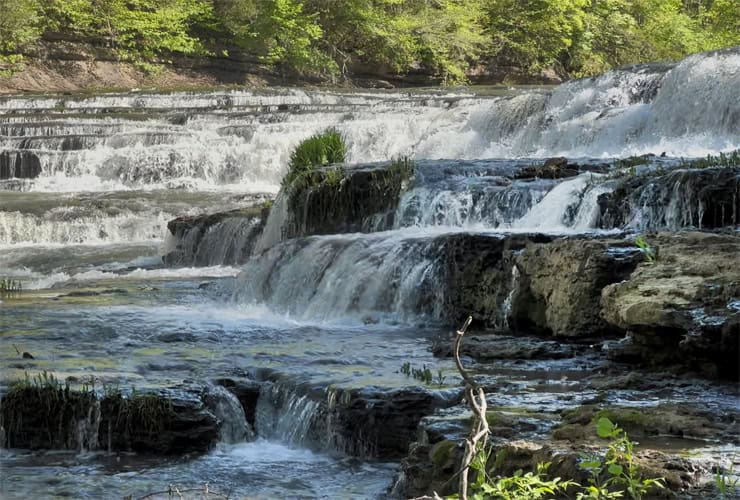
(150, 351)
(443, 452)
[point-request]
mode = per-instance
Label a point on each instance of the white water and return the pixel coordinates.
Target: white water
(300, 306)
(243, 139)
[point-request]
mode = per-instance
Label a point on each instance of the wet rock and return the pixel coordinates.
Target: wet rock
(679, 309)
(492, 347)
(479, 275)
(49, 415)
(380, 423)
(664, 420)
(560, 284)
(19, 165)
(172, 421)
(342, 200)
(696, 198)
(215, 239)
(553, 168)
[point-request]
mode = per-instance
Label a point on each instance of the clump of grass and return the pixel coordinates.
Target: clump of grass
(43, 412)
(731, 159)
(10, 287)
(318, 150)
(423, 374)
(403, 167)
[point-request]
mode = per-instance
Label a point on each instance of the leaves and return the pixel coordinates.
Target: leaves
(605, 428)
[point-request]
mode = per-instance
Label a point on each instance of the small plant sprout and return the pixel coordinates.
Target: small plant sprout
(616, 473)
(650, 252)
(440, 378)
(727, 482)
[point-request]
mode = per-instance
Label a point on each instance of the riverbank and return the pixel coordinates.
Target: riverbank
(76, 66)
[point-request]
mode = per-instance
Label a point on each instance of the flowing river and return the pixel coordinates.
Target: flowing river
(89, 183)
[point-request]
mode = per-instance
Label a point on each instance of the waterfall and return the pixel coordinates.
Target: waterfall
(284, 415)
(233, 427)
(309, 277)
(243, 139)
(74, 225)
(570, 206)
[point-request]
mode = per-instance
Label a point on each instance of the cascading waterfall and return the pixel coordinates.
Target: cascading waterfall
(570, 206)
(65, 226)
(233, 427)
(307, 278)
(244, 139)
(285, 415)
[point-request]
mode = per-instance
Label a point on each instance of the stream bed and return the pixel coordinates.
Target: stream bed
(88, 185)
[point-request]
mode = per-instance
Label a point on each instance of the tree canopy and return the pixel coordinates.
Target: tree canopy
(446, 38)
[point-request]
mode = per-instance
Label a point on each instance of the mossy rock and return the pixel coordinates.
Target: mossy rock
(443, 453)
(47, 417)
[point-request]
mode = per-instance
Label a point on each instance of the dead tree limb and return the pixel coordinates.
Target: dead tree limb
(476, 398)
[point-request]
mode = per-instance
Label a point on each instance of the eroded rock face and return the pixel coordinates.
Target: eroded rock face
(383, 423)
(173, 421)
(684, 307)
(698, 198)
(479, 275)
(560, 283)
(222, 238)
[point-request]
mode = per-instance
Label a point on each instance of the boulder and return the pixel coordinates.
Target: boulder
(560, 283)
(342, 200)
(683, 307)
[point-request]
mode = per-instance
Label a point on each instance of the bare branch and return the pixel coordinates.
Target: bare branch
(476, 398)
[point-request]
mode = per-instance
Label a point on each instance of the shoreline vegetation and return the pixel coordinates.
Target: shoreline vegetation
(68, 45)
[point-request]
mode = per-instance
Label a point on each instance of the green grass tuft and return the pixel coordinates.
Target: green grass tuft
(318, 150)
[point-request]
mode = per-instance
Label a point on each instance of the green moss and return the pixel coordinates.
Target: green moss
(442, 452)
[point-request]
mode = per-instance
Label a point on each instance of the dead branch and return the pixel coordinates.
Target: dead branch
(476, 398)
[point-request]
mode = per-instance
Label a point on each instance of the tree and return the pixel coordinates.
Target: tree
(19, 25)
(534, 34)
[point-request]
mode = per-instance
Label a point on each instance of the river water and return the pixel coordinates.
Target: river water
(86, 238)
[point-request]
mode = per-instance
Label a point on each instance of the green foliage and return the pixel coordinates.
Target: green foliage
(19, 26)
(727, 482)
(534, 34)
(423, 374)
(650, 252)
(731, 159)
(138, 30)
(445, 38)
(616, 473)
(318, 150)
(613, 476)
(520, 486)
(10, 287)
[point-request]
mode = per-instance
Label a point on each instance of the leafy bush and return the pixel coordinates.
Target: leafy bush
(318, 150)
(613, 475)
(619, 467)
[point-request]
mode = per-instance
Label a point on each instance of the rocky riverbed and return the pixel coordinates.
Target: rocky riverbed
(182, 320)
